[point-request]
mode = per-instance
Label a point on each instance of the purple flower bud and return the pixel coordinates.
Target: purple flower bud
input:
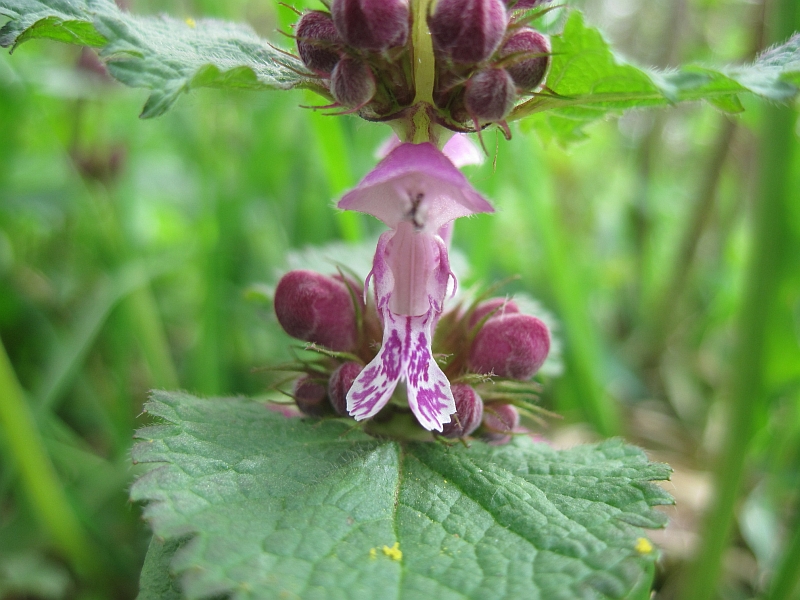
(530, 51)
(497, 307)
(469, 412)
(468, 31)
(316, 308)
(340, 383)
(513, 346)
(352, 82)
(499, 422)
(371, 24)
(311, 397)
(318, 42)
(490, 95)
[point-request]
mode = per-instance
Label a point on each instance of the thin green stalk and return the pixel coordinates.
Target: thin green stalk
(787, 580)
(39, 478)
(67, 359)
(146, 322)
(748, 395)
(661, 320)
(583, 347)
(646, 152)
(209, 370)
(141, 306)
(330, 139)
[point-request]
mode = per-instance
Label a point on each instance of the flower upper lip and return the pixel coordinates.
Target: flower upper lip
(416, 182)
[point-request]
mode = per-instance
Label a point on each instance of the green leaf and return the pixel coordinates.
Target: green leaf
(588, 81)
(155, 582)
(169, 56)
(289, 507)
(164, 55)
(61, 20)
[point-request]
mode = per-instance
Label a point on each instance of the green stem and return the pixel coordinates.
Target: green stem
(748, 393)
(424, 63)
(422, 129)
(39, 478)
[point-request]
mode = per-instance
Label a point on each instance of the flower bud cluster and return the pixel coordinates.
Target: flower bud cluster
(487, 57)
(359, 52)
(492, 351)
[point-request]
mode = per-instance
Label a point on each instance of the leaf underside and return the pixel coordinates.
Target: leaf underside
(589, 81)
(281, 507)
(164, 55)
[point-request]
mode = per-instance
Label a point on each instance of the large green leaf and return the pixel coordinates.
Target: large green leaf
(169, 56)
(165, 55)
(282, 507)
(62, 20)
(590, 81)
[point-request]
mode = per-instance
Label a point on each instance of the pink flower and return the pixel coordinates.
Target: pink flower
(416, 190)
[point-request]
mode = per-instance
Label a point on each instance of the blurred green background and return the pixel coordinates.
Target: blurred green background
(132, 254)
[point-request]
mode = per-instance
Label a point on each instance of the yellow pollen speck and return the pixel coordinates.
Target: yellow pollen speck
(191, 22)
(394, 552)
(643, 546)
(373, 553)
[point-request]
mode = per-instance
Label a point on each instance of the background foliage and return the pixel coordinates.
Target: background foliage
(131, 254)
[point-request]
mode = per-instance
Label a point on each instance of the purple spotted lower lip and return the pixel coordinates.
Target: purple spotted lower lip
(405, 354)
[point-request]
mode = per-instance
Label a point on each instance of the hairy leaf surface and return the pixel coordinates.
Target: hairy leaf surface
(164, 55)
(278, 506)
(61, 20)
(587, 81)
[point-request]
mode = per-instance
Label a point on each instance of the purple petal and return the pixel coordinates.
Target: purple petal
(414, 259)
(411, 270)
(406, 353)
(462, 152)
(387, 146)
(459, 149)
(375, 385)
(429, 394)
(382, 274)
(416, 182)
(446, 233)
